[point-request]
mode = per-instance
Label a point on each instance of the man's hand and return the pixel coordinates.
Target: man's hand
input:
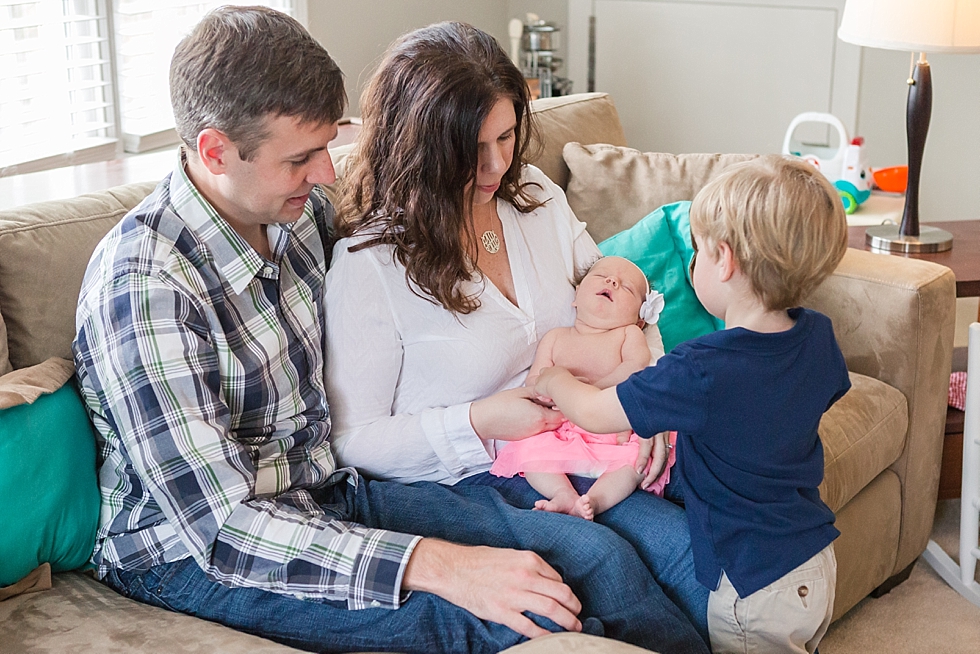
(494, 584)
(512, 415)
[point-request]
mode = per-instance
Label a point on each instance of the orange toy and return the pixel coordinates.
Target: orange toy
(893, 179)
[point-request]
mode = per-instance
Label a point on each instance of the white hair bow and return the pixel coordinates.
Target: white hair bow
(651, 307)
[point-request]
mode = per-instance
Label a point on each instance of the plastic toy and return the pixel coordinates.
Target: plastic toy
(845, 166)
(893, 180)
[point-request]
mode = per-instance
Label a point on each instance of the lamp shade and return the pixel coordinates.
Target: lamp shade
(934, 26)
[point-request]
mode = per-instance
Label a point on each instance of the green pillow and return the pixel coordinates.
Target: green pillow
(49, 496)
(660, 244)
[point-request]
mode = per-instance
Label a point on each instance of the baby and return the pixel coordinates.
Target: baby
(604, 347)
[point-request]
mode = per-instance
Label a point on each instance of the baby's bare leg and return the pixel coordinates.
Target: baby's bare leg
(556, 487)
(610, 489)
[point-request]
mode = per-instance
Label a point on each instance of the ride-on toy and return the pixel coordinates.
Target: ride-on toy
(846, 165)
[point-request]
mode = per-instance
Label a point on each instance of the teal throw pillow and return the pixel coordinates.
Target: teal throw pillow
(49, 495)
(660, 244)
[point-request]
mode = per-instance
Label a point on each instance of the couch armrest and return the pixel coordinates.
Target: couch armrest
(894, 319)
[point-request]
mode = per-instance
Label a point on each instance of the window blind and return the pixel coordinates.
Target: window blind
(79, 77)
(56, 103)
(147, 31)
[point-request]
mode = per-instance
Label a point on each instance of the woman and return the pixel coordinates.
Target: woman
(459, 258)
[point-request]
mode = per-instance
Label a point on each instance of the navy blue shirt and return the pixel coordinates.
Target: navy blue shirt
(746, 407)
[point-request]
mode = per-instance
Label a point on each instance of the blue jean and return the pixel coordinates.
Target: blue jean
(656, 528)
(620, 599)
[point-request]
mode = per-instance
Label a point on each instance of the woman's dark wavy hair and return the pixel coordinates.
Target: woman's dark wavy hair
(417, 150)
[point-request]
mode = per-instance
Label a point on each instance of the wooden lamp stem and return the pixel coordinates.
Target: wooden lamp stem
(917, 116)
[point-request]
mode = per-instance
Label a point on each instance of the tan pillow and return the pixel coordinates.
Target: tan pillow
(4, 355)
(611, 188)
(44, 250)
(582, 117)
(27, 384)
(339, 155)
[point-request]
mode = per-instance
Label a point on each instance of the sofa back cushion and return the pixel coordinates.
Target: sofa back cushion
(4, 356)
(611, 188)
(44, 250)
(582, 118)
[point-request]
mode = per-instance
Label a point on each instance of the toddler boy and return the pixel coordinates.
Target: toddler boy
(746, 402)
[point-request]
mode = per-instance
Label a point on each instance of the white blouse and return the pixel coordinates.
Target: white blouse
(402, 370)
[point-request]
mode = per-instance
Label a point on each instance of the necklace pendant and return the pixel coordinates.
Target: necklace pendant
(491, 243)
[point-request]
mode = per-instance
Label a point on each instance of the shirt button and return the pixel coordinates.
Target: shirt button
(299, 596)
(375, 604)
(803, 591)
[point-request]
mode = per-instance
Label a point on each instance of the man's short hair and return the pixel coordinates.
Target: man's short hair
(241, 64)
(783, 220)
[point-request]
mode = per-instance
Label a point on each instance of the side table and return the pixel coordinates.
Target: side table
(964, 261)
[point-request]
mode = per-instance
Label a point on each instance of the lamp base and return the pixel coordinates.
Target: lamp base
(888, 238)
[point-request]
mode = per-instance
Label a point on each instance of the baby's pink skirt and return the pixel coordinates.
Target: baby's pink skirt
(571, 450)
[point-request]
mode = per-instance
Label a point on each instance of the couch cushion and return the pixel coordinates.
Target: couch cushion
(340, 157)
(862, 434)
(611, 188)
(79, 614)
(44, 250)
(582, 117)
(5, 366)
(50, 497)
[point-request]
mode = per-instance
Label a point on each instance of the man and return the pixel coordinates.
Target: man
(200, 356)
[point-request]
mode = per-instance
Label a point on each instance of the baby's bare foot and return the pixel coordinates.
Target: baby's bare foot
(583, 508)
(560, 503)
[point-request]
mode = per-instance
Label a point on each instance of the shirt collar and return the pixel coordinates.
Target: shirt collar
(235, 259)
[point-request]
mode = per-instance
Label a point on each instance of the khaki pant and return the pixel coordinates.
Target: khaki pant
(789, 615)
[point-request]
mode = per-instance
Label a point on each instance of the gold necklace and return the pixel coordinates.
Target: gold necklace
(490, 239)
(491, 242)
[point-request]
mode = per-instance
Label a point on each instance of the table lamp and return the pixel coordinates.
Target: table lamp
(937, 26)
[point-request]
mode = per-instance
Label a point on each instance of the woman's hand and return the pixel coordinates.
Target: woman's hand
(512, 415)
(655, 449)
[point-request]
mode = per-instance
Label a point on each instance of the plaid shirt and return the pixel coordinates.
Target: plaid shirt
(201, 364)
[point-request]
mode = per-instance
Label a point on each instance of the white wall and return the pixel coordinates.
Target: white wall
(950, 184)
(357, 32)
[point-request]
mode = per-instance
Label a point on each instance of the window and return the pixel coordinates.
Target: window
(82, 80)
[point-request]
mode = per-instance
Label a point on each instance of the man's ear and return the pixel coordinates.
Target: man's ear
(727, 266)
(213, 149)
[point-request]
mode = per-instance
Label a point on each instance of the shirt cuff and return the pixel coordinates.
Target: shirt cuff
(376, 581)
(455, 441)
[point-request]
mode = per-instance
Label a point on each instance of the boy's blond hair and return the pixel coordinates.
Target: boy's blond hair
(783, 220)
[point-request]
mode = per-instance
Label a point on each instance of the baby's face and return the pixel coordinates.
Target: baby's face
(611, 293)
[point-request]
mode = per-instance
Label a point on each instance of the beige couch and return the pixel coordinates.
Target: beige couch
(892, 316)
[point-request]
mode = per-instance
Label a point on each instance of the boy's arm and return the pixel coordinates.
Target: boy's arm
(592, 409)
(636, 357)
(543, 357)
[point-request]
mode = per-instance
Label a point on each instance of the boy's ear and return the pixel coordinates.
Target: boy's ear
(726, 262)
(213, 149)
